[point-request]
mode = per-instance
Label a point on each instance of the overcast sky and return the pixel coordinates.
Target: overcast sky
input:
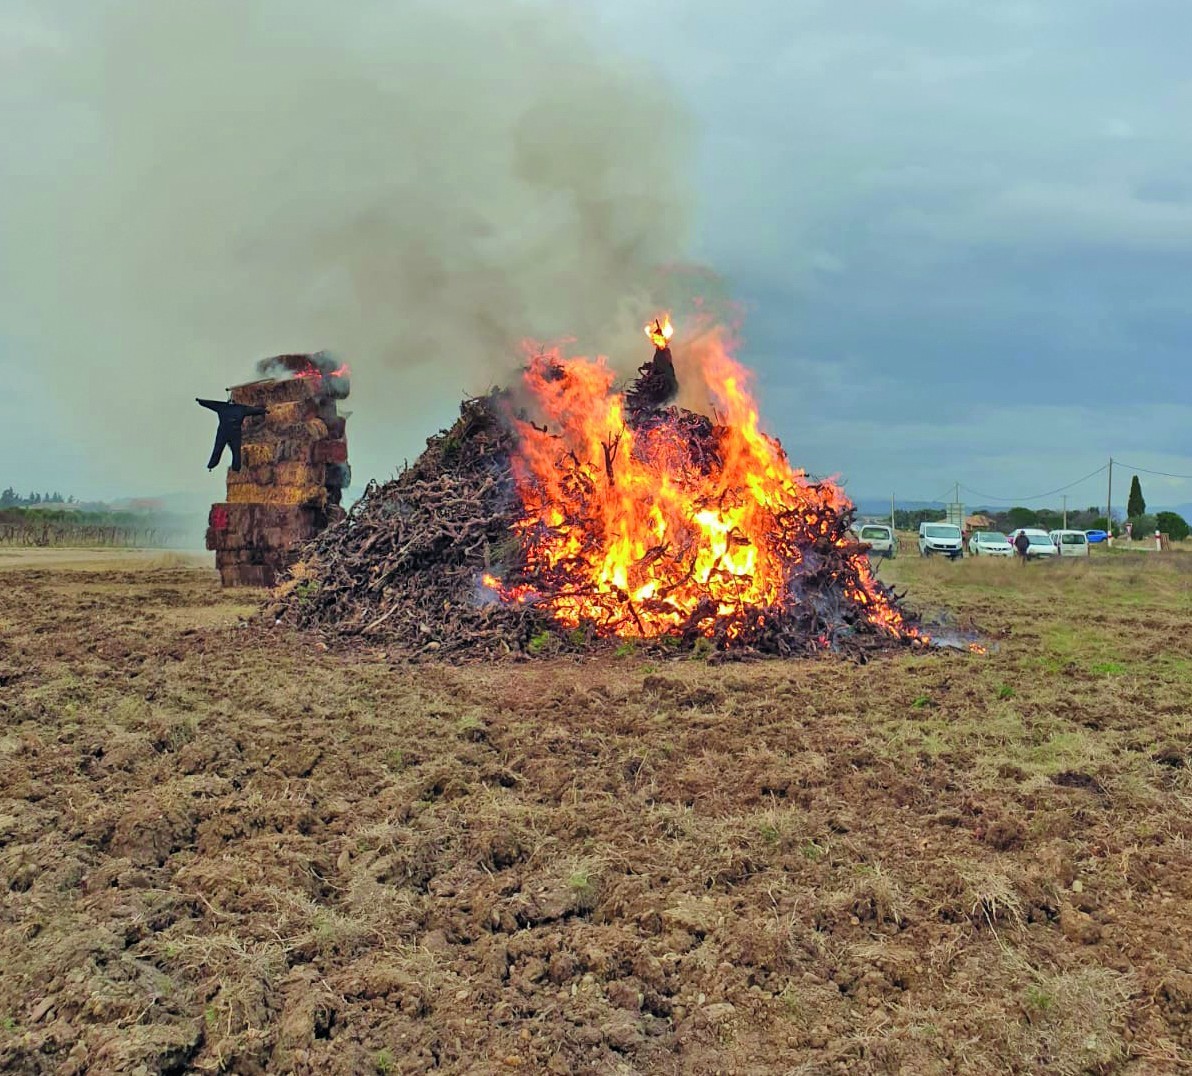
(961, 232)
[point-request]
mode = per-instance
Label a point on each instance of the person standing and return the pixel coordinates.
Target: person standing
(1022, 543)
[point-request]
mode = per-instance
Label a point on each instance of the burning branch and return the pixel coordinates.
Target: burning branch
(610, 454)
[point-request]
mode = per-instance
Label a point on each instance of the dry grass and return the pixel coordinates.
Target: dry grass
(226, 849)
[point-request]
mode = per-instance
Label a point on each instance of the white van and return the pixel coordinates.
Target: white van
(1070, 543)
(942, 538)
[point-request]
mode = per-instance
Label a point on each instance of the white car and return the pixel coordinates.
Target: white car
(1040, 542)
(942, 539)
(879, 538)
(990, 544)
(1070, 543)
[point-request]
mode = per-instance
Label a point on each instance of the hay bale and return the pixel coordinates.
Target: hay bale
(257, 454)
(276, 495)
(295, 473)
(291, 413)
(247, 517)
(330, 451)
(270, 391)
(248, 575)
(252, 476)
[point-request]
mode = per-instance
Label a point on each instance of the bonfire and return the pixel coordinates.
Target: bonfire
(569, 511)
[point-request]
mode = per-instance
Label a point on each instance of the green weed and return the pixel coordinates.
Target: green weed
(1038, 1000)
(814, 852)
(703, 649)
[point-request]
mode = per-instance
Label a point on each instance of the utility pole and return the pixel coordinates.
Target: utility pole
(891, 513)
(1109, 505)
(1065, 511)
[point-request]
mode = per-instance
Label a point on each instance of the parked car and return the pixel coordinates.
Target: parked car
(943, 539)
(1096, 536)
(880, 539)
(1070, 543)
(990, 544)
(1028, 531)
(1040, 542)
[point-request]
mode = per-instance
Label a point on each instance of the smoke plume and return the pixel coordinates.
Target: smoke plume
(414, 186)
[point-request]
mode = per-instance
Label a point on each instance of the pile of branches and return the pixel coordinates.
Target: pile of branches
(404, 566)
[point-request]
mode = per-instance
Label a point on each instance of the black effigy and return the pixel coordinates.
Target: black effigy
(656, 383)
(230, 431)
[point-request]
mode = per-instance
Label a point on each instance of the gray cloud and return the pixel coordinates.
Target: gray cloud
(951, 210)
(415, 187)
(954, 224)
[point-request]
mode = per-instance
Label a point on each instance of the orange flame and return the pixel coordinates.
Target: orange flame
(311, 370)
(629, 529)
(660, 331)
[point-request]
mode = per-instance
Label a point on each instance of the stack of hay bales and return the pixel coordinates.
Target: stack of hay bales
(294, 470)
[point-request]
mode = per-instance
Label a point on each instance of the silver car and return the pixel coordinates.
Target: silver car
(880, 539)
(1070, 543)
(990, 544)
(1040, 545)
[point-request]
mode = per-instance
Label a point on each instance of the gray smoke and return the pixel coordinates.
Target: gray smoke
(415, 186)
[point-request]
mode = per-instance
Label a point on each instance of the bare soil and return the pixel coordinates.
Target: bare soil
(226, 848)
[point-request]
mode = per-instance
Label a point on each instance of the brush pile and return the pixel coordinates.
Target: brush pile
(414, 564)
(405, 565)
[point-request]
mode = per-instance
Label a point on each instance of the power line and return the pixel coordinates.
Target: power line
(1037, 496)
(1143, 470)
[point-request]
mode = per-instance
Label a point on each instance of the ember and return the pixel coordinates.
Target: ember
(601, 514)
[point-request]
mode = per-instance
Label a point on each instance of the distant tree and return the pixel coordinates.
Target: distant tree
(1048, 518)
(906, 519)
(1021, 517)
(9, 498)
(1173, 525)
(1135, 504)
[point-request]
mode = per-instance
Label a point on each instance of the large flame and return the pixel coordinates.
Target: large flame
(629, 528)
(660, 330)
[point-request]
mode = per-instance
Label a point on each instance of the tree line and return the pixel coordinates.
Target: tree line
(34, 526)
(10, 498)
(1093, 518)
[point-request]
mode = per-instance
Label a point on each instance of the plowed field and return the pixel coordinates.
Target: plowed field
(226, 848)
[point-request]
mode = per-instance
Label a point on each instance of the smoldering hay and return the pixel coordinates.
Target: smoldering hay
(413, 186)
